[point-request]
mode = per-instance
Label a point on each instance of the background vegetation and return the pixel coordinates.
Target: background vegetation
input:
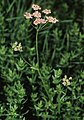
(25, 94)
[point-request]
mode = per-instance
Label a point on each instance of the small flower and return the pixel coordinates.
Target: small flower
(68, 83)
(65, 76)
(27, 15)
(16, 49)
(51, 19)
(64, 79)
(37, 21)
(64, 83)
(46, 11)
(36, 7)
(37, 14)
(70, 78)
(19, 47)
(15, 44)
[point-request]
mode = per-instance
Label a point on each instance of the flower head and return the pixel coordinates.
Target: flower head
(43, 21)
(51, 19)
(37, 14)
(46, 11)
(37, 21)
(36, 7)
(66, 81)
(17, 47)
(27, 15)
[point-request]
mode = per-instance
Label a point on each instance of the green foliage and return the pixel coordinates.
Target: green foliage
(29, 91)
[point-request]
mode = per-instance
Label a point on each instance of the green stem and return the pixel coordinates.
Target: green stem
(37, 47)
(37, 54)
(43, 83)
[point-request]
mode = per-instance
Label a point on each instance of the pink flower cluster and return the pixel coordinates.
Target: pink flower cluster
(37, 15)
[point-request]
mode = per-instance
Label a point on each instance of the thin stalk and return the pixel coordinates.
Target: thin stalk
(25, 61)
(29, 64)
(37, 54)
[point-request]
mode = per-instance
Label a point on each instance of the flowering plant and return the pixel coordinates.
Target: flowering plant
(38, 20)
(45, 83)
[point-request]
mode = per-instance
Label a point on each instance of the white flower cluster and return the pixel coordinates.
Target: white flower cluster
(17, 46)
(66, 81)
